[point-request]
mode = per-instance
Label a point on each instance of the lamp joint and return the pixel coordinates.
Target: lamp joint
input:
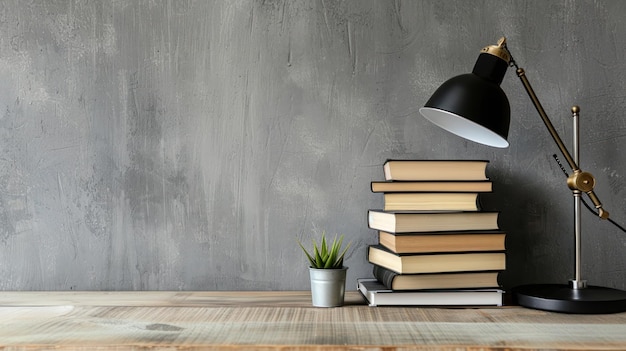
(583, 181)
(499, 50)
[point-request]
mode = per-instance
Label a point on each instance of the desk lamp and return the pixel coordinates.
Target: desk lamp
(474, 107)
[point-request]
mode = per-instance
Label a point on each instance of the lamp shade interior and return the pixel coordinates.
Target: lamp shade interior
(463, 127)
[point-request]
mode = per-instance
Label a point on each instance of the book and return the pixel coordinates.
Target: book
(442, 241)
(435, 263)
(377, 295)
(391, 186)
(431, 202)
(394, 281)
(413, 170)
(428, 221)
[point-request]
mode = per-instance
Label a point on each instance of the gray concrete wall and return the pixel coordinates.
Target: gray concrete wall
(188, 144)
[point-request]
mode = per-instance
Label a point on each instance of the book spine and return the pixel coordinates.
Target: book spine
(384, 276)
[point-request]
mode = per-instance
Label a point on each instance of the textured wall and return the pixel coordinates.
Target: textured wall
(186, 144)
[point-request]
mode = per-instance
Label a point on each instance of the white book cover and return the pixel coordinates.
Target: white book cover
(377, 294)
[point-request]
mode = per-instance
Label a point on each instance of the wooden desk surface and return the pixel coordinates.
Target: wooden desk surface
(283, 320)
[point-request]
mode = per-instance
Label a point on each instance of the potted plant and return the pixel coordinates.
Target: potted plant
(327, 272)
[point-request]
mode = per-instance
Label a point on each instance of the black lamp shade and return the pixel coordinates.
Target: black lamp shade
(473, 105)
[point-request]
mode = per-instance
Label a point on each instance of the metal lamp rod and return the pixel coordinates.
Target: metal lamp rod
(577, 282)
(531, 93)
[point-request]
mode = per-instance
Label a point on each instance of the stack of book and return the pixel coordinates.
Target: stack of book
(436, 246)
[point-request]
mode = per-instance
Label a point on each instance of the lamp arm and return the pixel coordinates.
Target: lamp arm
(579, 180)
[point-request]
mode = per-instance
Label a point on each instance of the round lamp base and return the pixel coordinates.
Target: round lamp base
(562, 298)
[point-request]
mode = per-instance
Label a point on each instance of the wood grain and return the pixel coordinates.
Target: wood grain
(283, 320)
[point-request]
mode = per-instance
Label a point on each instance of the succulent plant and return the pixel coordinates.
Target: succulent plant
(326, 255)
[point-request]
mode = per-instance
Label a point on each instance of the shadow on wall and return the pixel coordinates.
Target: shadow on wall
(539, 229)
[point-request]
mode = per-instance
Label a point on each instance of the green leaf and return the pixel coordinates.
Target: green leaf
(308, 256)
(326, 254)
